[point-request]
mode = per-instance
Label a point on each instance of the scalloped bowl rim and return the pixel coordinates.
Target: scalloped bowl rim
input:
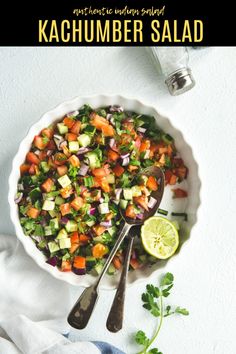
(57, 113)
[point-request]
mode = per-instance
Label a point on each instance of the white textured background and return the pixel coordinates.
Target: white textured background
(34, 80)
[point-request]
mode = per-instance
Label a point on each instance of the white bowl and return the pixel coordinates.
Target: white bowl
(189, 205)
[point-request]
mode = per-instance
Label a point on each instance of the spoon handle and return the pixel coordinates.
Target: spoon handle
(83, 308)
(115, 317)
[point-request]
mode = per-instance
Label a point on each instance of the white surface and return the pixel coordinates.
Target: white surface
(35, 80)
(188, 205)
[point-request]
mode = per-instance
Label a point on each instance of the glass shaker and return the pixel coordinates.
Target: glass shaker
(173, 62)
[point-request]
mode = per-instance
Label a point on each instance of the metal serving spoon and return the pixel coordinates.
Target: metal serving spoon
(83, 308)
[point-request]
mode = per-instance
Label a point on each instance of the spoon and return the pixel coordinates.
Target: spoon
(83, 308)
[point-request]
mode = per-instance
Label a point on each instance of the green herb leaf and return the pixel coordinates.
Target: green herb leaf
(141, 338)
(181, 311)
(154, 351)
(167, 279)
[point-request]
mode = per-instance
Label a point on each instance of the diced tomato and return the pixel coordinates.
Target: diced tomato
(116, 262)
(162, 159)
(65, 209)
(74, 239)
(71, 137)
(98, 229)
(60, 158)
(77, 203)
(76, 127)
(84, 239)
(108, 130)
(62, 170)
(79, 262)
(48, 132)
(74, 160)
(66, 192)
(173, 180)
(69, 122)
(168, 174)
(138, 142)
(33, 213)
(33, 170)
(129, 212)
(169, 150)
(145, 145)
(65, 266)
(162, 150)
(179, 193)
(102, 182)
(51, 163)
(101, 172)
(99, 250)
(152, 183)
(142, 201)
(42, 155)
(47, 185)
(112, 155)
(24, 168)
(153, 149)
(127, 125)
(118, 170)
(109, 216)
(134, 263)
(40, 142)
(32, 158)
(96, 195)
(101, 124)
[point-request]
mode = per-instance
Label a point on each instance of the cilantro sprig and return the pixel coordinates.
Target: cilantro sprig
(153, 301)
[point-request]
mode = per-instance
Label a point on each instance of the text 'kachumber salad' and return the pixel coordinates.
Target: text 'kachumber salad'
(77, 175)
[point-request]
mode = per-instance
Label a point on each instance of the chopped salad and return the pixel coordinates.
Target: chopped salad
(80, 172)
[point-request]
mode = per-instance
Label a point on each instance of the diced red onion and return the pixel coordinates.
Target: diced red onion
(83, 169)
(37, 152)
(118, 193)
(152, 202)
(58, 140)
(58, 137)
(139, 216)
(92, 211)
(106, 224)
(49, 152)
(118, 109)
(137, 143)
(112, 121)
(52, 261)
(141, 130)
(116, 201)
(64, 220)
(112, 142)
(28, 199)
(109, 116)
(63, 143)
(83, 150)
(125, 161)
(83, 188)
(146, 155)
(101, 200)
(79, 271)
(125, 155)
(36, 238)
(72, 114)
(43, 222)
(20, 187)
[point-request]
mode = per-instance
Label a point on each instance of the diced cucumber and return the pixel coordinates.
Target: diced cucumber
(54, 224)
(84, 140)
(90, 130)
(90, 222)
(53, 246)
(98, 239)
(35, 194)
(52, 213)
(42, 244)
(83, 126)
(59, 200)
(112, 230)
(98, 268)
(48, 231)
(103, 208)
(110, 179)
(48, 205)
(65, 243)
(62, 234)
(111, 269)
(123, 203)
(64, 181)
(128, 194)
(90, 262)
(44, 166)
(62, 128)
(71, 226)
(136, 191)
(93, 160)
(73, 146)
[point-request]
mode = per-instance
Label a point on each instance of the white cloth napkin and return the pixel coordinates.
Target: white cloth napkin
(33, 308)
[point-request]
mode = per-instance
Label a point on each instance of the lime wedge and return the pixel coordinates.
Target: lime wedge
(160, 237)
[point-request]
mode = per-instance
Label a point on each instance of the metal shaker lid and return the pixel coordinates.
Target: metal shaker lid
(180, 81)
